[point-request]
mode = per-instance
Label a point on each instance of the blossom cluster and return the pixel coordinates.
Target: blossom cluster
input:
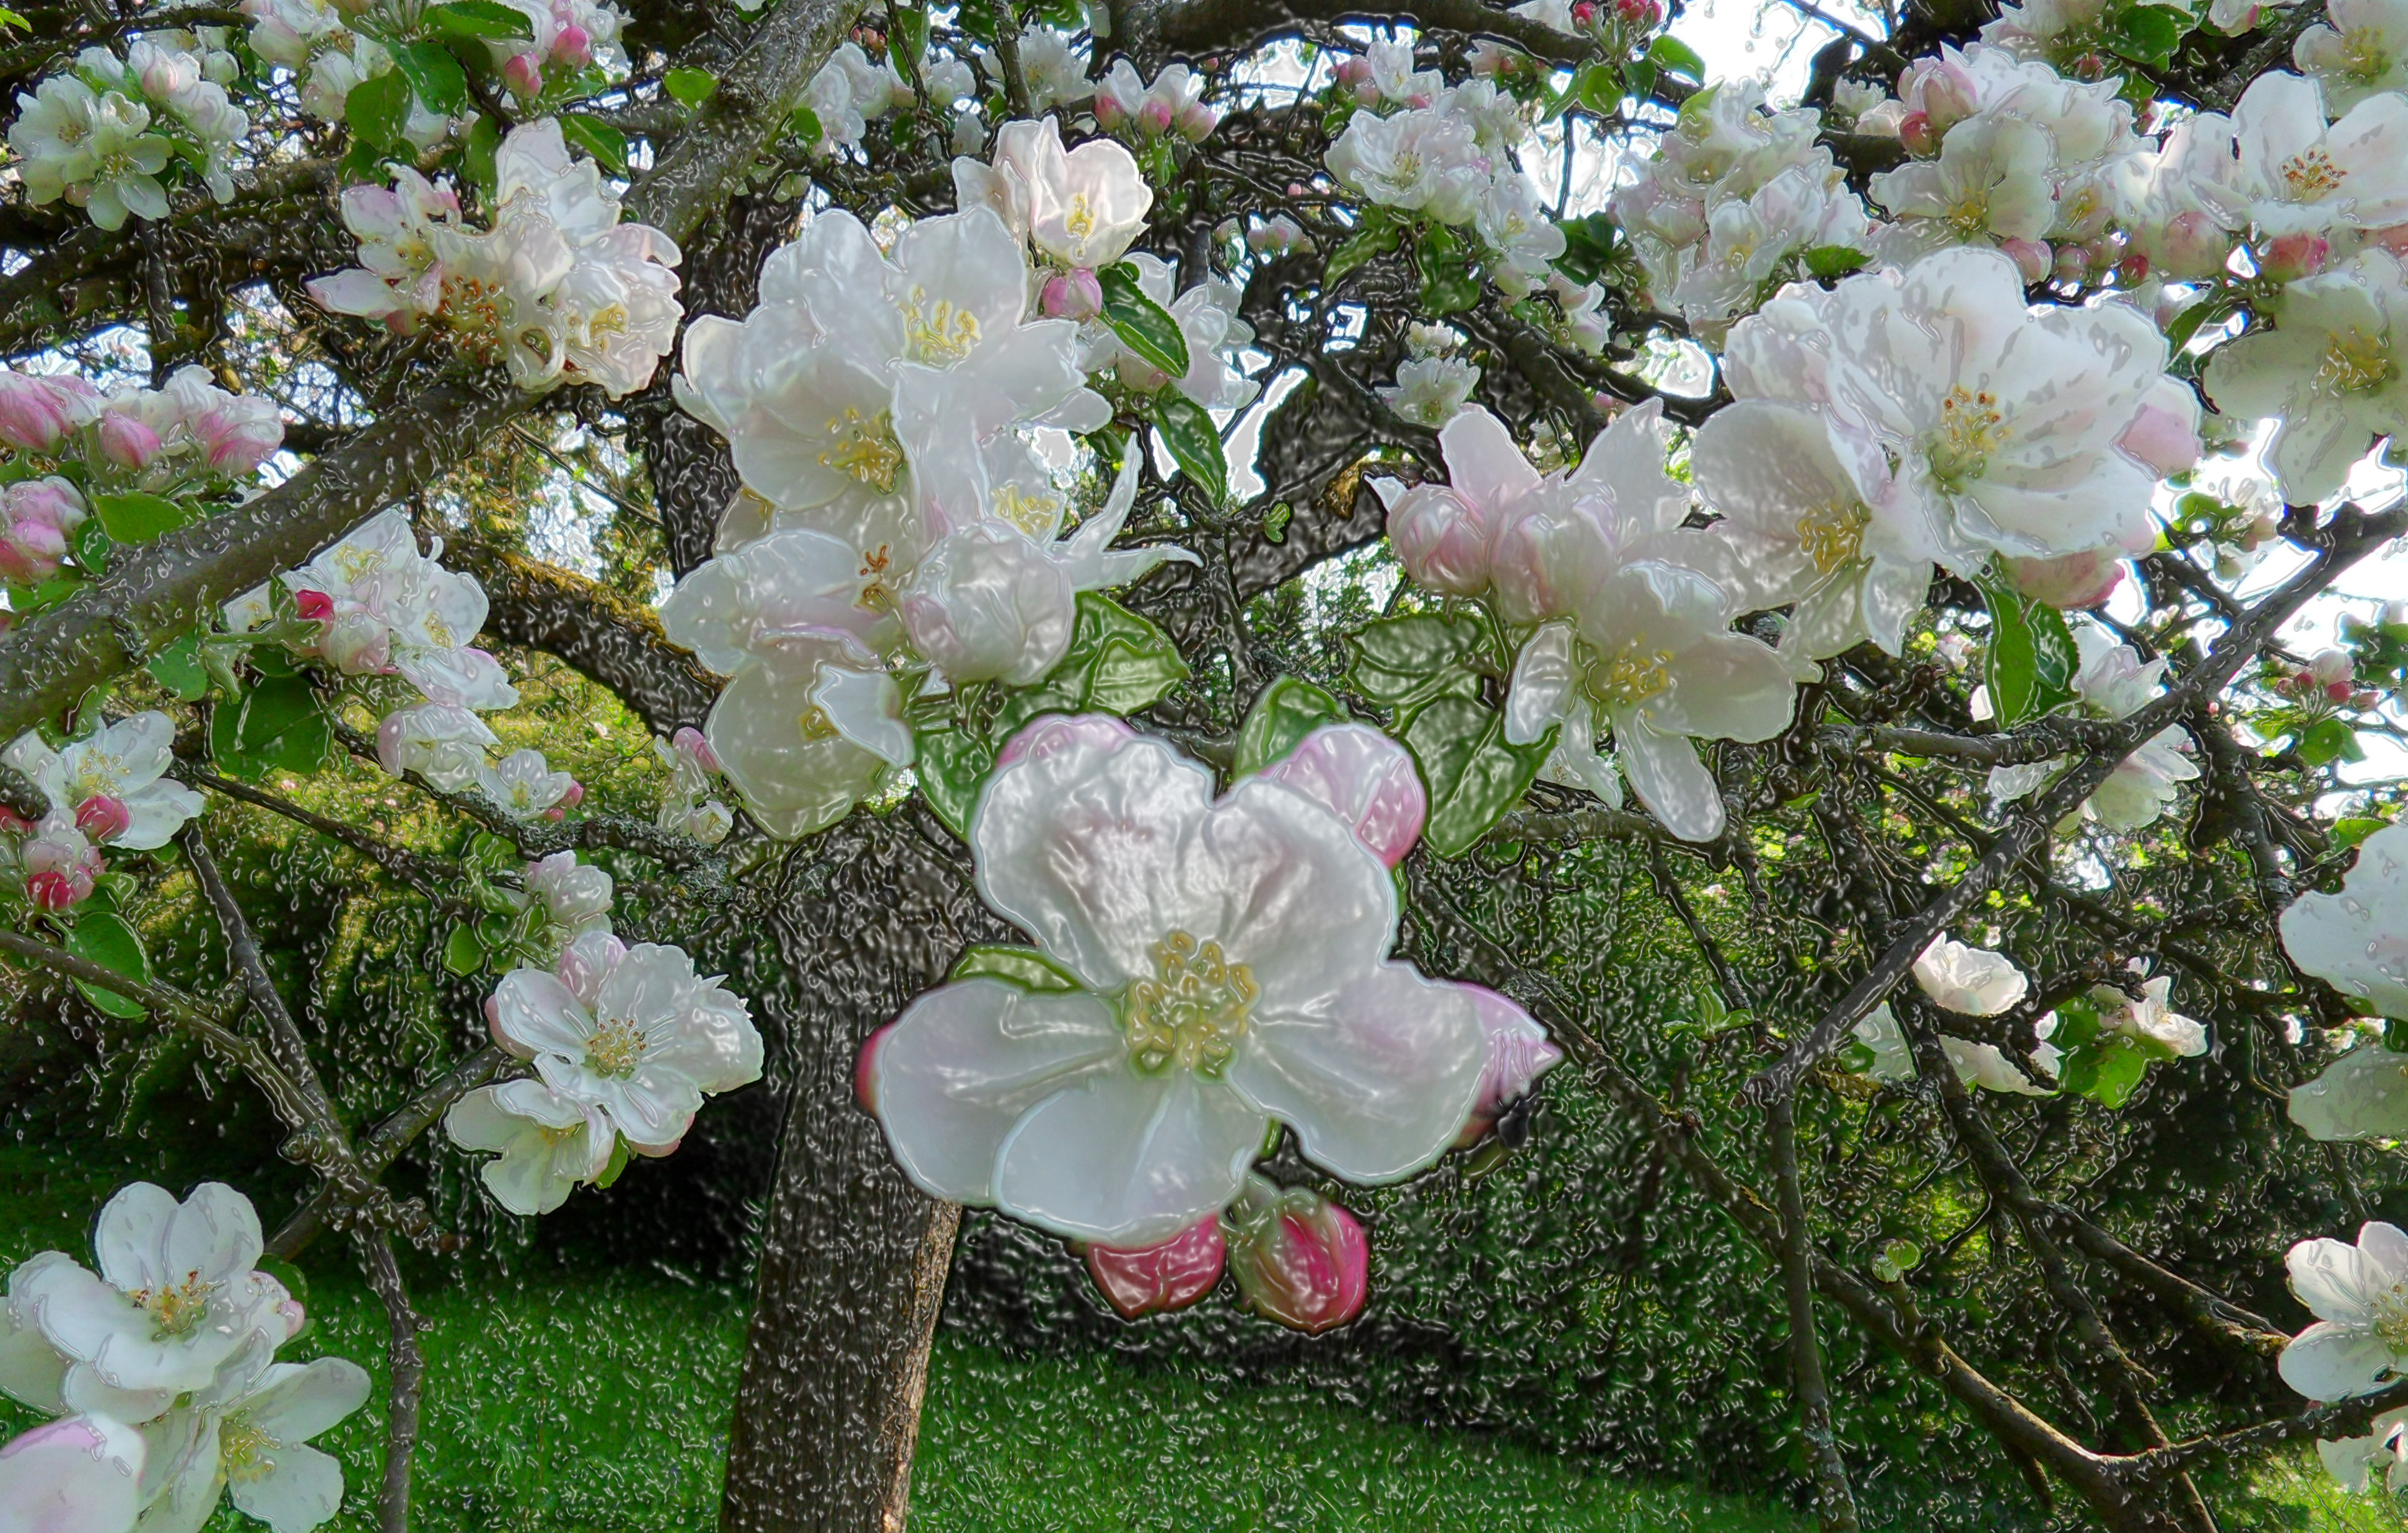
(625, 1042)
(558, 289)
(109, 788)
(159, 1373)
(1206, 968)
(106, 133)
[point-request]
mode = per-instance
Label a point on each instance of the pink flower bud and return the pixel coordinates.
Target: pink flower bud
(1914, 130)
(2331, 668)
(59, 864)
(1356, 70)
(13, 823)
(1442, 539)
(1518, 1053)
(573, 47)
(2033, 257)
(37, 413)
(523, 73)
(1170, 1276)
(1584, 15)
(1640, 15)
(1109, 114)
(2193, 246)
(2294, 256)
(102, 817)
(1154, 116)
(1298, 1258)
(1072, 295)
(574, 796)
(2076, 583)
(126, 441)
(690, 741)
(1197, 122)
(316, 606)
(2072, 262)
(31, 549)
(56, 891)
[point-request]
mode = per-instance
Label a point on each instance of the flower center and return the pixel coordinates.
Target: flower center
(2390, 1317)
(2309, 174)
(1629, 676)
(864, 448)
(814, 724)
(244, 1450)
(2362, 53)
(1191, 1012)
(174, 1311)
(2354, 361)
(1969, 431)
(939, 332)
(1080, 221)
(614, 1050)
(1031, 514)
(1833, 534)
(1408, 167)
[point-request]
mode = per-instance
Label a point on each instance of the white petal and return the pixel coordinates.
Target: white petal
(1669, 779)
(1127, 1159)
(2328, 1362)
(302, 1491)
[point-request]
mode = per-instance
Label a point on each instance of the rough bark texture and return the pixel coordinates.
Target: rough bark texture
(694, 475)
(853, 1257)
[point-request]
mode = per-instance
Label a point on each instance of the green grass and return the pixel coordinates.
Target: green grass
(568, 1401)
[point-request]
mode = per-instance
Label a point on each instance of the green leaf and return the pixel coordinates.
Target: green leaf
(105, 937)
(476, 151)
(1599, 87)
(2108, 1071)
(908, 34)
(480, 18)
(1448, 286)
(178, 668)
(1472, 774)
(2350, 832)
(1024, 966)
(2328, 741)
(805, 123)
(464, 952)
(615, 1168)
(1275, 520)
(91, 545)
(1402, 663)
(1288, 709)
(1117, 663)
(1377, 237)
(952, 767)
(1830, 261)
(2188, 323)
(2033, 659)
(1194, 440)
(2146, 34)
(1639, 79)
(434, 75)
(1588, 246)
(1676, 57)
(137, 518)
(605, 143)
(1143, 325)
(277, 725)
(689, 87)
(377, 108)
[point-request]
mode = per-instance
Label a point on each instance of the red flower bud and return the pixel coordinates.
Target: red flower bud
(1298, 1258)
(1169, 1276)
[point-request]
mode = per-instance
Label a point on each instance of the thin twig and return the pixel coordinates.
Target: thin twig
(407, 1372)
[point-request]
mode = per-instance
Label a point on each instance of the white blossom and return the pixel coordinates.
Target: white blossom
(2328, 371)
(2356, 940)
(2111, 682)
(1429, 391)
(524, 784)
(2359, 1296)
(547, 1142)
(2361, 50)
(114, 780)
(2276, 166)
(1970, 980)
(1423, 160)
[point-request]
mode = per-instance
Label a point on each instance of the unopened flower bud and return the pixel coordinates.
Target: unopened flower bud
(126, 441)
(523, 73)
(1158, 1278)
(1584, 15)
(2332, 668)
(2033, 259)
(1298, 1258)
(37, 413)
(103, 817)
(1356, 70)
(1915, 131)
(2193, 246)
(2071, 264)
(2294, 256)
(315, 606)
(1109, 114)
(573, 47)
(1196, 121)
(1638, 15)
(574, 796)
(1072, 295)
(1154, 116)
(690, 741)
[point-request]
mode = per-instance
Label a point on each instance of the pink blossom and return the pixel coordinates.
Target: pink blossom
(102, 817)
(1298, 1258)
(1169, 1276)
(1059, 732)
(2295, 256)
(2075, 583)
(1073, 295)
(573, 47)
(2033, 259)
(1365, 779)
(37, 413)
(36, 518)
(1519, 1052)
(1196, 121)
(524, 74)
(126, 441)
(689, 740)
(59, 864)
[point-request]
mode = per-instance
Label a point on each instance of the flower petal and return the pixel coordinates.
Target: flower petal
(2328, 1362)
(1128, 1159)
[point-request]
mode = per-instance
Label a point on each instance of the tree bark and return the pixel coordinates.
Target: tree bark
(854, 1258)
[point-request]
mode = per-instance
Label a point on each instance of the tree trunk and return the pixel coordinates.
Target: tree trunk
(854, 1257)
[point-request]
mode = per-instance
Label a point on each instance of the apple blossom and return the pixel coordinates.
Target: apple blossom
(2111, 682)
(1363, 778)
(1983, 1064)
(2352, 1461)
(2327, 371)
(37, 411)
(1223, 965)
(804, 731)
(1298, 1258)
(2356, 940)
(1519, 1052)
(1206, 316)
(523, 784)
(631, 1031)
(1422, 160)
(37, 519)
(80, 1474)
(58, 863)
(126, 763)
(1431, 391)
(1152, 1280)
(1081, 207)
(442, 742)
(2360, 52)
(1973, 981)
(2275, 165)
(548, 1142)
(2150, 1017)
(2359, 1296)
(174, 1296)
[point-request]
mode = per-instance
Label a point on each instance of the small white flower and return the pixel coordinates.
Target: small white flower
(633, 1031)
(2328, 371)
(123, 764)
(1423, 160)
(2276, 166)
(1429, 391)
(547, 1143)
(575, 897)
(524, 784)
(1973, 981)
(442, 742)
(2359, 1296)
(2356, 940)
(2362, 53)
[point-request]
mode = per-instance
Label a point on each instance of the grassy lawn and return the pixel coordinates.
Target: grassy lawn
(563, 1401)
